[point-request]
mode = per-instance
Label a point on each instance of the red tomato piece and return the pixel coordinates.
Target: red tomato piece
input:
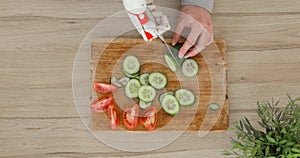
(101, 104)
(104, 88)
(113, 116)
(149, 118)
(131, 116)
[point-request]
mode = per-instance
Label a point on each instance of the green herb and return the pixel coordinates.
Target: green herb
(280, 137)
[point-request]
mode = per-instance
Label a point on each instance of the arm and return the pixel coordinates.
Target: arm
(206, 4)
(196, 17)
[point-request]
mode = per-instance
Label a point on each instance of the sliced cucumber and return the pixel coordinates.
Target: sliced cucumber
(214, 107)
(124, 81)
(185, 97)
(137, 77)
(131, 75)
(131, 65)
(162, 95)
(170, 105)
(146, 93)
(144, 79)
(114, 81)
(144, 105)
(157, 80)
(171, 62)
(132, 87)
(190, 68)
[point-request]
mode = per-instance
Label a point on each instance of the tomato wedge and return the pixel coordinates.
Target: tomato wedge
(101, 104)
(149, 118)
(131, 116)
(113, 116)
(104, 88)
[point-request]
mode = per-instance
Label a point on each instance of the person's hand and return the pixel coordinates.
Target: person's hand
(199, 21)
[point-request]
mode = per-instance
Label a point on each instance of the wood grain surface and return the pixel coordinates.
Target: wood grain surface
(107, 56)
(39, 40)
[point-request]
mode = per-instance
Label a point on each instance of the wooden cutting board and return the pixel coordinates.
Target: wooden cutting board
(106, 61)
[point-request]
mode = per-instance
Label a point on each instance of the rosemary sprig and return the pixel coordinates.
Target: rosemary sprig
(280, 137)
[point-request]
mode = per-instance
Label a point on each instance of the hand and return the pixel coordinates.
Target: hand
(199, 21)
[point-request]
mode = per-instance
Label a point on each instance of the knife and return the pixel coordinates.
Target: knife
(169, 51)
(162, 39)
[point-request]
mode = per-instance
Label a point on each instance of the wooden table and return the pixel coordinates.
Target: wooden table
(39, 41)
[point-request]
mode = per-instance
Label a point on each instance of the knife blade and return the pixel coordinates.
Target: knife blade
(162, 39)
(169, 51)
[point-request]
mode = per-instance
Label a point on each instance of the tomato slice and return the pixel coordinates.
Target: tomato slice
(104, 88)
(101, 104)
(131, 116)
(149, 118)
(113, 116)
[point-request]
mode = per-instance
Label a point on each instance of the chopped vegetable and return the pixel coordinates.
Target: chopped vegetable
(190, 68)
(113, 116)
(171, 62)
(114, 81)
(132, 88)
(144, 79)
(130, 117)
(161, 96)
(185, 97)
(124, 80)
(157, 80)
(146, 93)
(214, 107)
(149, 118)
(104, 88)
(101, 104)
(170, 105)
(131, 65)
(144, 105)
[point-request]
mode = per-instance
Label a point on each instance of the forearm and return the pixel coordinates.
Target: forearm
(206, 4)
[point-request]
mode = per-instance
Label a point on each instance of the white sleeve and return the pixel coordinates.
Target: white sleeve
(206, 4)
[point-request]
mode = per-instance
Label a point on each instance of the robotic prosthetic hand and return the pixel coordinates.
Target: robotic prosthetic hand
(148, 22)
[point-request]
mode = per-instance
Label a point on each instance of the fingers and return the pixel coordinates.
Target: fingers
(177, 34)
(190, 42)
(201, 35)
(204, 40)
(193, 52)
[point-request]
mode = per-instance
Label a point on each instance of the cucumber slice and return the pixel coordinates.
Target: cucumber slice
(170, 105)
(132, 87)
(144, 105)
(144, 79)
(157, 80)
(171, 62)
(114, 81)
(214, 107)
(131, 65)
(131, 75)
(162, 95)
(146, 93)
(190, 68)
(124, 81)
(185, 97)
